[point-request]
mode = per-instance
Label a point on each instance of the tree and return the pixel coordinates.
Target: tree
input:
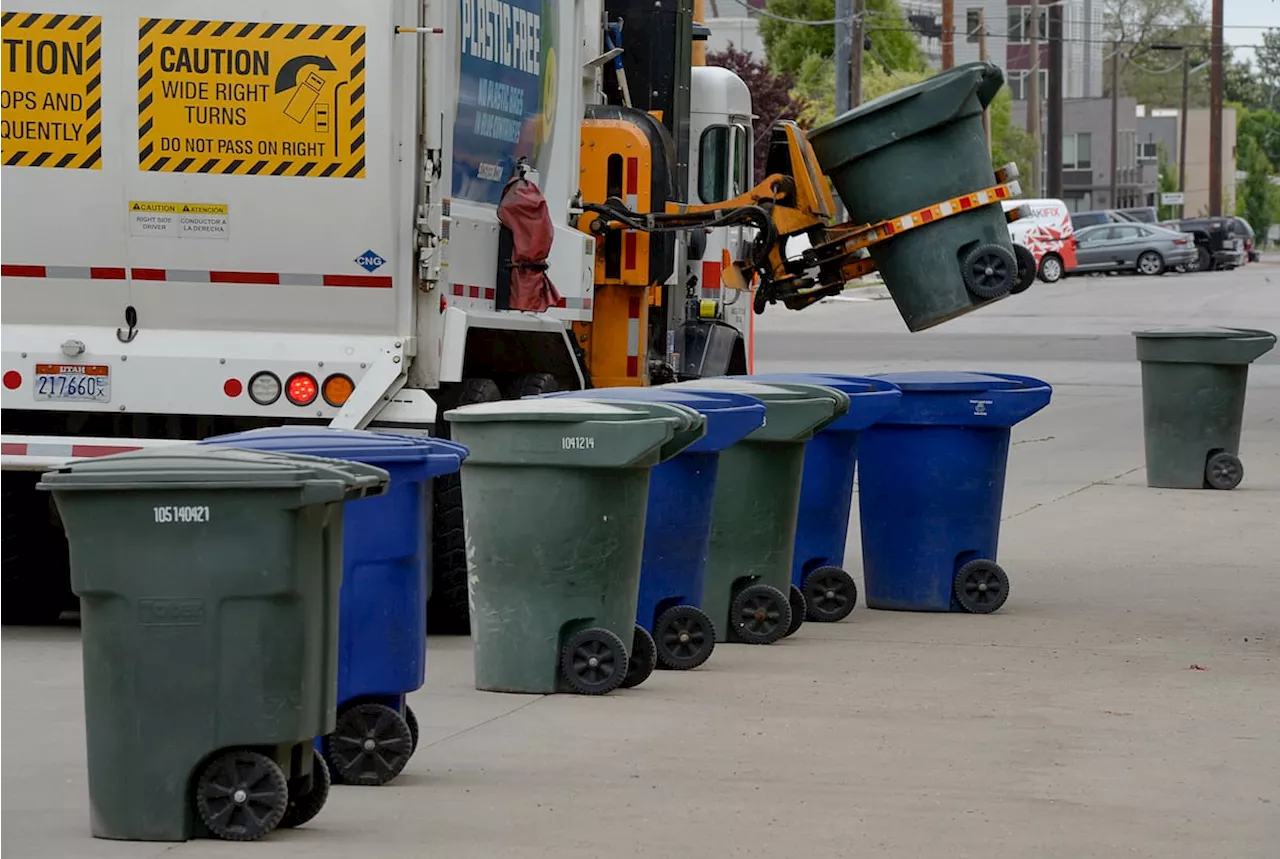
(1263, 128)
(1009, 142)
(816, 86)
(787, 44)
(1257, 197)
(771, 96)
(1150, 75)
(1268, 56)
(1168, 182)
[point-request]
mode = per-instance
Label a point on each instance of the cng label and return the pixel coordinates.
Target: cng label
(251, 99)
(52, 91)
(369, 261)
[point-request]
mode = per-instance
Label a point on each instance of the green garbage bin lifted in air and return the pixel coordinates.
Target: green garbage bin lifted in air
(748, 592)
(907, 150)
(1193, 388)
(208, 581)
(555, 492)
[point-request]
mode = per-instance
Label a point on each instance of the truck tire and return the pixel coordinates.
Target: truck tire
(531, 385)
(36, 570)
(448, 608)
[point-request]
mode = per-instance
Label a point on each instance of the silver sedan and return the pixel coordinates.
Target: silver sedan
(1143, 248)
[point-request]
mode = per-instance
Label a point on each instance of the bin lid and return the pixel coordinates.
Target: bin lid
(192, 466)
(869, 398)
(939, 381)
(439, 455)
(794, 411)
(1207, 332)
(729, 417)
(1209, 344)
(542, 409)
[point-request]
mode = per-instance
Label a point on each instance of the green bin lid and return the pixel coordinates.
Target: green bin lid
(555, 410)
(1207, 332)
(218, 468)
(794, 411)
(1209, 344)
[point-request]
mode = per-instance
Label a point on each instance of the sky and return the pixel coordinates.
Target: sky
(1256, 15)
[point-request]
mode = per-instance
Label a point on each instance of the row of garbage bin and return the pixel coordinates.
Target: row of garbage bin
(250, 634)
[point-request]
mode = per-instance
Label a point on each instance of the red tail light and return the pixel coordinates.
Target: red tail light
(1179, 241)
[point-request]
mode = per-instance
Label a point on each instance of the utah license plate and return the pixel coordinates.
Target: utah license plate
(73, 382)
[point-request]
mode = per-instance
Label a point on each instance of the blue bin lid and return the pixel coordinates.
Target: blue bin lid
(944, 398)
(943, 381)
(438, 455)
(730, 417)
(869, 398)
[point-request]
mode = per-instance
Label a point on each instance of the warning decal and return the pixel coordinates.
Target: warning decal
(52, 101)
(251, 99)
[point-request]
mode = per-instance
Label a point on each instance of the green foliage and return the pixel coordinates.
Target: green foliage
(1168, 182)
(787, 45)
(1258, 198)
(1008, 141)
(816, 82)
(1263, 127)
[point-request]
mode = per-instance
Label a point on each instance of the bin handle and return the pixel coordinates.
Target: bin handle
(989, 84)
(322, 492)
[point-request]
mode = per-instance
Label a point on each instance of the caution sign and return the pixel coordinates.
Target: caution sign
(51, 109)
(251, 99)
(179, 220)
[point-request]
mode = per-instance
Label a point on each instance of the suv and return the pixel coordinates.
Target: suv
(1219, 245)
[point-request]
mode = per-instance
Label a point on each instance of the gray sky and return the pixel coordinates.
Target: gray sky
(1257, 15)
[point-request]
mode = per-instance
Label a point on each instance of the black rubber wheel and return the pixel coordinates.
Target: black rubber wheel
(531, 385)
(989, 271)
(306, 800)
(241, 795)
(593, 662)
(981, 586)
(1204, 259)
(1051, 268)
(799, 610)
(685, 637)
(1026, 269)
(370, 745)
(760, 614)
(1223, 471)
(448, 609)
(831, 594)
(642, 659)
(411, 720)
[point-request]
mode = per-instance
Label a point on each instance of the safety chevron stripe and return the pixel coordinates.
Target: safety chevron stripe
(54, 76)
(865, 237)
(260, 278)
(251, 98)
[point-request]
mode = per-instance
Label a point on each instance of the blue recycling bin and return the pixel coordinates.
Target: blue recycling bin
(677, 531)
(382, 626)
(930, 488)
(826, 492)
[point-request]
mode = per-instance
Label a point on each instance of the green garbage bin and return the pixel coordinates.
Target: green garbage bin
(884, 158)
(1193, 390)
(748, 591)
(208, 581)
(555, 492)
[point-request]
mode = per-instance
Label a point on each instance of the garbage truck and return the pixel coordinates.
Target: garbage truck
(361, 214)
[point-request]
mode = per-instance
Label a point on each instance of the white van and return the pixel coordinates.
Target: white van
(1047, 232)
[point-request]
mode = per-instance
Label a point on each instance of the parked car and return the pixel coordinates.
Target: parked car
(1245, 231)
(1142, 214)
(1047, 232)
(1080, 220)
(1217, 244)
(1144, 248)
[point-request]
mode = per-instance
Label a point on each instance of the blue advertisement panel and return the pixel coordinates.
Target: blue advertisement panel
(506, 93)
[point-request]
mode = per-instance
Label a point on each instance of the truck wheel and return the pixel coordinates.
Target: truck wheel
(1204, 259)
(36, 572)
(448, 609)
(531, 385)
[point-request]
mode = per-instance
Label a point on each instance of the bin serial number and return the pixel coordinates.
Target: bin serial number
(173, 514)
(578, 442)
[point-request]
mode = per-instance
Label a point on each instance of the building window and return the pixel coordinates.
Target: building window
(972, 24)
(1077, 151)
(1148, 151)
(1019, 25)
(1017, 80)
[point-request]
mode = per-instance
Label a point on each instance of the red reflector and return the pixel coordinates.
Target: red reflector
(633, 365)
(926, 216)
(633, 176)
(966, 203)
(301, 389)
(232, 387)
(629, 251)
(12, 380)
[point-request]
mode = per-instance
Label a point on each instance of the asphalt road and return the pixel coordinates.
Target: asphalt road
(1123, 703)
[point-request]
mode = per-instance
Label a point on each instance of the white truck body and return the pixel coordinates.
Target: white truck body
(270, 188)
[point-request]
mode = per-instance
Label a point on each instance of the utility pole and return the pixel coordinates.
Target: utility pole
(948, 34)
(1033, 101)
(1054, 154)
(982, 55)
(1215, 113)
(1182, 116)
(859, 35)
(844, 45)
(1115, 121)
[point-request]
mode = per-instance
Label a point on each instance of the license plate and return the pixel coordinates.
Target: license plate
(73, 382)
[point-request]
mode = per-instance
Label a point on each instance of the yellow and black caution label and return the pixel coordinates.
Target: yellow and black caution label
(52, 91)
(251, 99)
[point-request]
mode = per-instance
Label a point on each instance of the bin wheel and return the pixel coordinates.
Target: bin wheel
(760, 614)
(685, 637)
(981, 586)
(1026, 269)
(411, 720)
(370, 745)
(831, 593)
(989, 271)
(799, 610)
(241, 795)
(593, 661)
(1223, 471)
(642, 659)
(306, 803)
